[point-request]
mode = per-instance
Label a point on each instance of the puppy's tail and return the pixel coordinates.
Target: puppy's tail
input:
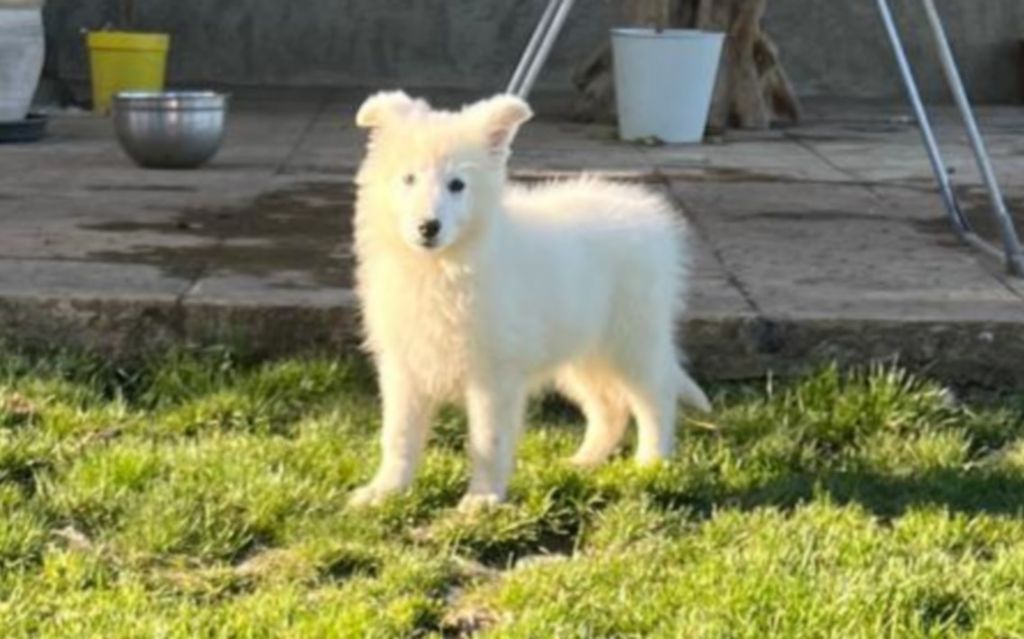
(691, 393)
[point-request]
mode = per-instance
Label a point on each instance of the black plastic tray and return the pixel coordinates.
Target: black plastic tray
(30, 129)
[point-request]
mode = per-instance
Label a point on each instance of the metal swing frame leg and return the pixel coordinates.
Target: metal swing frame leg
(539, 47)
(1011, 249)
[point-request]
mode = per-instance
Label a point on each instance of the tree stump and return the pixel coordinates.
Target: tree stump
(753, 90)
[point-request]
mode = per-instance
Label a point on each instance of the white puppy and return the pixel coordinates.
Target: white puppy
(479, 291)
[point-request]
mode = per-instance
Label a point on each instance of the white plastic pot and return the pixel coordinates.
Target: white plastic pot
(664, 81)
(22, 46)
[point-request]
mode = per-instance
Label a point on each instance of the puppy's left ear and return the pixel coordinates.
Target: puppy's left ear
(385, 107)
(501, 117)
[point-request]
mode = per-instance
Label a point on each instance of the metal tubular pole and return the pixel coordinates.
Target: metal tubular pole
(1011, 242)
(956, 216)
(531, 48)
(545, 48)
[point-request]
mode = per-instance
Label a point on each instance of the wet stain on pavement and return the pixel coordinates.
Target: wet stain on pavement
(305, 229)
(141, 188)
(731, 175)
(977, 207)
(817, 216)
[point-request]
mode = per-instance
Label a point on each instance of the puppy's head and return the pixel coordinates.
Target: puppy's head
(436, 175)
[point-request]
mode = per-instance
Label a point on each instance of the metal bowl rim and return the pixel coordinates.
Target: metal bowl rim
(171, 100)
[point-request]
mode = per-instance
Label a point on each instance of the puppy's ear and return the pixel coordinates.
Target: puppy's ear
(387, 106)
(500, 117)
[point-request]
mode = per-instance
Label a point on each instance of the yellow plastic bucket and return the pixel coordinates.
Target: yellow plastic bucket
(125, 61)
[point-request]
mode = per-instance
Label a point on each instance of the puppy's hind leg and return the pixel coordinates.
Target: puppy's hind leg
(606, 412)
(652, 396)
(653, 399)
(407, 413)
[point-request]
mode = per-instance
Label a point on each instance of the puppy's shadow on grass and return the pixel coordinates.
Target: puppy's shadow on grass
(970, 492)
(981, 485)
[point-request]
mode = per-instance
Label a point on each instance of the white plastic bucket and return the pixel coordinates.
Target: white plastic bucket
(664, 81)
(22, 47)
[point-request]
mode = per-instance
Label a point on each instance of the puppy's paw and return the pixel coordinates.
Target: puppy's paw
(476, 502)
(585, 460)
(651, 459)
(372, 494)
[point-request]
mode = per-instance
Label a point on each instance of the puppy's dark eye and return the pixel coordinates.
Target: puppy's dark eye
(456, 186)
(409, 179)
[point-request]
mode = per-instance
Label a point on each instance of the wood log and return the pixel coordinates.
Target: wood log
(595, 87)
(738, 100)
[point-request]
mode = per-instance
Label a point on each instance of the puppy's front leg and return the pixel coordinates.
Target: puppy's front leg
(495, 419)
(407, 413)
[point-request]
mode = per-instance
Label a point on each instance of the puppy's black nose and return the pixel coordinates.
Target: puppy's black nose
(430, 229)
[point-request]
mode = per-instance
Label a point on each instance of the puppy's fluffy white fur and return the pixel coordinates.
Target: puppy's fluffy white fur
(478, 291)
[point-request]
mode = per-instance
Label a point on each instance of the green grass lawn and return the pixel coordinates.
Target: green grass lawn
(198, 496)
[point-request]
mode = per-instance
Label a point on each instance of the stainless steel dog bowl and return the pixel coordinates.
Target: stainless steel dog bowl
(170, 130)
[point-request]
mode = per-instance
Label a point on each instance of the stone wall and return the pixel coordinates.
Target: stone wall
(832, 48)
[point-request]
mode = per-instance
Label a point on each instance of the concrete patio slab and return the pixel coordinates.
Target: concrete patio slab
(66, 279)
(815, 243)
(868, 261)
(756, 160)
